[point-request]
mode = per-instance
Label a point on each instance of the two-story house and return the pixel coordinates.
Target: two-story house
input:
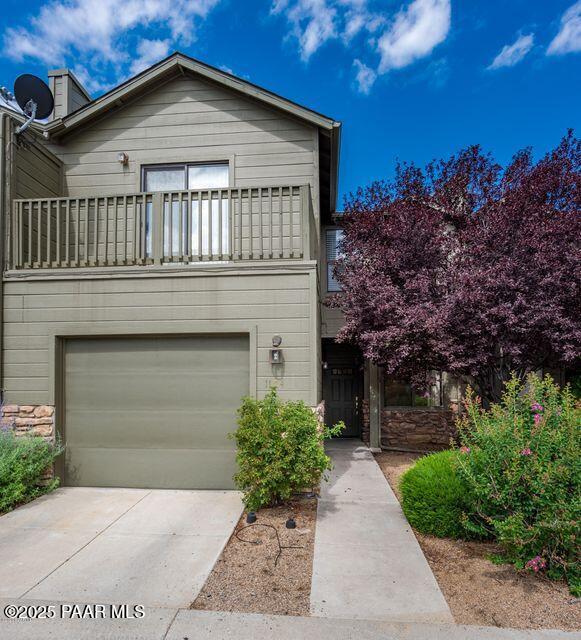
(168, 250)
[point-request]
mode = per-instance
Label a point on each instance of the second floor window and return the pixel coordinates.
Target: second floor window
(333, 240)
(181, 177)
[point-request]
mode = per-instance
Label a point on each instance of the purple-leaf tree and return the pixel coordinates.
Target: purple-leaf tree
(467, 267)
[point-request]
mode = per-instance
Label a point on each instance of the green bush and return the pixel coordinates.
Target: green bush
(522, 462)
(23, 463)
(434, 496)
(280, 449)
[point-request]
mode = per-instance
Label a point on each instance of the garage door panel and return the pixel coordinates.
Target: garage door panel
(203, 430)
(126, 391)
(151, 469)
(137, 409)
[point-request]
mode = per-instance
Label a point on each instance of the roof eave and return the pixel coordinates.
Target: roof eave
(179, 62)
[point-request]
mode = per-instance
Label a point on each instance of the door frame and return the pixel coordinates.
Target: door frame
(342, 355)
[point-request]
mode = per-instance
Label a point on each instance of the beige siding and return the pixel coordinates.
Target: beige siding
(189, 119)
(76, 97)
(277, 303)
(37, 173)
(57, 86)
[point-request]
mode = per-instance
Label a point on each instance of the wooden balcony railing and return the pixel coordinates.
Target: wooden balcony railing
(248, 223)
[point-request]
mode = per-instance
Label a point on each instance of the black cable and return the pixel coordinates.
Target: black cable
(260, 524)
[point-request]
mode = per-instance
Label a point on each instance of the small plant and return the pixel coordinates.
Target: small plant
(523, 467)
(434, 496)
(24, 461)
(280, 449)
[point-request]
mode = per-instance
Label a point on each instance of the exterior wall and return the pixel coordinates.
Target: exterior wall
(35, 420)
(189, 120)
(36, 172)
(264, 300)
(68, 93)
(409, 429)
(413, 429)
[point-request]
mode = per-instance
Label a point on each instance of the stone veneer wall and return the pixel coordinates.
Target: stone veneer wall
(414, 429)
(34, 420)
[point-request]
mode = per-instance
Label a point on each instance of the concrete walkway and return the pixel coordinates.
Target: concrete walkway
(367, 561)
(149, 547)
(170, 624)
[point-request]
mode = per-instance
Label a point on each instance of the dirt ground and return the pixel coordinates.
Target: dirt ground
(481, 593)
(246, 579)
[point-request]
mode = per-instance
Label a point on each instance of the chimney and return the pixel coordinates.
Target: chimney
(69, 94)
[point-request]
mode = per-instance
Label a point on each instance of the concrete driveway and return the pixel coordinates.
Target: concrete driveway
(137, 546)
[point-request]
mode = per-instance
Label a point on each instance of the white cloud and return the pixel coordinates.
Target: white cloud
(512, 54)
(365, 77)
(149, 52)
(96, 33)
(568, 40)
(414, 33)
(313, 22)
(399, 40)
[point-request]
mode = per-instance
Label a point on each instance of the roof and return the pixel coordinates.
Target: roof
(177, 64)
(173, 65)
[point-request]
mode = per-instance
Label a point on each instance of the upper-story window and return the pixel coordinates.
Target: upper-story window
(397, 393)
(178, 177)
(333, 240)
(192, 176)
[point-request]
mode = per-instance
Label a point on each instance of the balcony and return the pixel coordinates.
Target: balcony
(185, 227)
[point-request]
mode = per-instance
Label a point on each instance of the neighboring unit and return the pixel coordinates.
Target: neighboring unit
(158, 240)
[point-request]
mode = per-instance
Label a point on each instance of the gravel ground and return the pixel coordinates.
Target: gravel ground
(245, 578)
(481, 593)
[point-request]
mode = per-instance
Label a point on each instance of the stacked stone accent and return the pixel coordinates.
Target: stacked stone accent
(33, 420)
(414, 429)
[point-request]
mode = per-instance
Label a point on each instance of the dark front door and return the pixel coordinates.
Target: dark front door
(342, 387)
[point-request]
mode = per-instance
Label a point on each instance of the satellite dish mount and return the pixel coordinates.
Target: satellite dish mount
(34, 98)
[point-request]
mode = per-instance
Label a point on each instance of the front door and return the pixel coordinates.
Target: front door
(342, 388)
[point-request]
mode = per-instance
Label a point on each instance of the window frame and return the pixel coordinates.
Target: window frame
(330, 263)
(145, 167)
(184, 165)
(412, 407)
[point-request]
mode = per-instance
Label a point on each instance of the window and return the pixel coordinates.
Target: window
(334, 237)
(175, 177)
(180, 177)
(398, 393)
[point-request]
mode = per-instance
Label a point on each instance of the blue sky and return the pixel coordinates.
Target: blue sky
(410, 79)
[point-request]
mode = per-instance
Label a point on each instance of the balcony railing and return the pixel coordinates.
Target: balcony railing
(209, 225)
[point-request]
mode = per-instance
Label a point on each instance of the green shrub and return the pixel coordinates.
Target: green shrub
(434, 496)
(23, 463)
(280, 449)
(522, 462)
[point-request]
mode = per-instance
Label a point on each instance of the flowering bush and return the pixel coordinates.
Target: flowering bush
(522, 462)
(280, 449)
(23, 463)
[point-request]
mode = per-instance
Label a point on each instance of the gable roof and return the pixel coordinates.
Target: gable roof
(174, 65)
(178, 64)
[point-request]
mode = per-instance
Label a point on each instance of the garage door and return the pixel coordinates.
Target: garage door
(153, 412)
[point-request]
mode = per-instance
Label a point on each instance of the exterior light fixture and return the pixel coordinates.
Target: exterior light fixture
(251, 517)
(275, 356)
(123, 158)
(291, 524)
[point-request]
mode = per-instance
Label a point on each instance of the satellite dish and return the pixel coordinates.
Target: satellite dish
(33, 97)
